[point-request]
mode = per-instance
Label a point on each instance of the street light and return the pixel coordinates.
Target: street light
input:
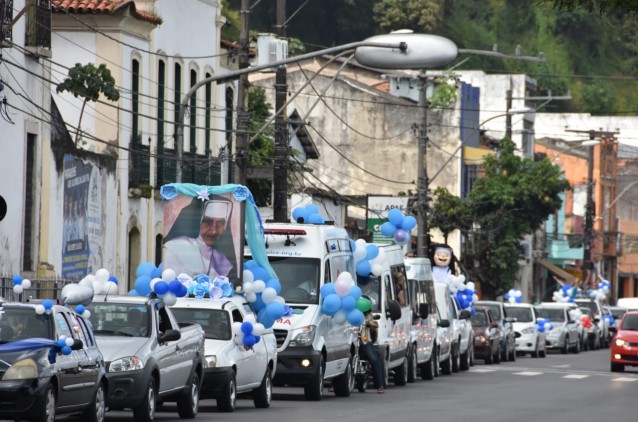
(577, 144)
(400, 50)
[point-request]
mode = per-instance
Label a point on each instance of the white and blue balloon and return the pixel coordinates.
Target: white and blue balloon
(339, 300)
(514, 296)
(262, 291)
(398, 226)
(308, 214)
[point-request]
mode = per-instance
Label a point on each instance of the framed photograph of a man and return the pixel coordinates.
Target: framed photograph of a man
(203, 236)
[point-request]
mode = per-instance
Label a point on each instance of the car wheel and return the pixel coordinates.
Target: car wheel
(313, 391)
(617, 367)
(504, 353)
(437, 364)
(465, 359)
(576, 348)
(489, 358)
(427, 369)
(145, 411)
(446, 366)
(564, 350)
(472, 354)
(534, 354)
(227, 399)
(97, 408)
(188, 401)
(512, 355)
(262, 395)
(456, 358)
(543, 353)
(344, 383)
(401, 373)
(45, 407)
(412, 364)
(497, 355)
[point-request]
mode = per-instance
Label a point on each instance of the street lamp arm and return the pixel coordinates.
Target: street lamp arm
(179, 131)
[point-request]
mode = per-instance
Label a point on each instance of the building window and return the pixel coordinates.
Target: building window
(193, 115)
(159, 240)
(39, 24)
(134, 255)
(6, 16)
(161, 98)
(29, 192)
(230, 102)
(140, 160)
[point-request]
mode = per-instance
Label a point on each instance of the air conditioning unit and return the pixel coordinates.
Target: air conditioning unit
(271, 49)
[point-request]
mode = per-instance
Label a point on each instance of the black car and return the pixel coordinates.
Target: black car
(49, 364)
(508, 336)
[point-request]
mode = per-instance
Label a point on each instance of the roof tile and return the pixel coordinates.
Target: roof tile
(107, 7)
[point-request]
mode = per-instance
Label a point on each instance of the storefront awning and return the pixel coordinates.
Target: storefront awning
(475, 156)
(562, 274)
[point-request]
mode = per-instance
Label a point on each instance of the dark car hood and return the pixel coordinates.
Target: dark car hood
(9, 358)
(480, 331)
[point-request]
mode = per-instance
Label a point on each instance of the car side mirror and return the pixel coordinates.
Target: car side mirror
(465, 314)
(510, 320)
(494, 325)
(169, 335)
(613, 329)
(394, 310)
(444, 323)
(424, 310)
(77, 345)
(596, 319)
(376, 316)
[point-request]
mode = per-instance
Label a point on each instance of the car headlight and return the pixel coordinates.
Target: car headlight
(620, 342)
(302, 336)
(210, 361)
(130, 363)
(481, 339)
(529, 330)
(21, 370)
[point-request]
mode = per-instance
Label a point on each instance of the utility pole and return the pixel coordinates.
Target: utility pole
(280, 163)
(422, 180)
(508, 106)
(241, 145)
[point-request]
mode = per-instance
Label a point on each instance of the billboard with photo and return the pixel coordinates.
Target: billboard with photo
(202, 235)
(378, 208)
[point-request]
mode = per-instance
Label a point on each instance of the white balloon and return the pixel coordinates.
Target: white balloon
(169, 299)
(280, 299)
(18, 289)
(251, 297)
(359, 254)
(268, 295)
(340, 316)
(250, 318)
(86, 281)
(518, 293)
(26, 283)
(471, 285)
(75, 294)
(239, 339)
(102, 275)
(86, 314)
(97, 287)
(155, 280)
(249, 277)
(237, 327)
(381, 257)
(260, 285)
(475, 297)
(248, 286)
(69, 341)
(109, 288)
(168, 275)
(258, 329)
(377, 269)
(39, 309)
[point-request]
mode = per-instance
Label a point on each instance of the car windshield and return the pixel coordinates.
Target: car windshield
(299, 278)
(120, 319)
(496, 309)
(371, 287)
(215, 322)
(552, 314)
(479, 319)
(590, 304)
(522, 314)
(630, 323)
(617, 312)
(585, 311)
(20, 323)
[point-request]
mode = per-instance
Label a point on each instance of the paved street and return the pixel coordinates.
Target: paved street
(563, 388)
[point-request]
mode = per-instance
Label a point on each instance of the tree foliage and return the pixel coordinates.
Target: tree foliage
(512, 200)
(261, 149)
(400, 14)
(593, 6)
(89, 82)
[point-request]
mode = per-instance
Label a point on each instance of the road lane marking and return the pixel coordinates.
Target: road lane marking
(528, 373)
(483, 370)
(562, 366)
(625, 379)
(576, 376)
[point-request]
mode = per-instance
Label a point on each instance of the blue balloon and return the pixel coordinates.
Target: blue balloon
(133, 292)
(408, 223)
(327, 289)
(312, 209)
(331, 304)
(316, 219)
(174, 286)
(275, 310)
(260, 273)
(259, 303)
(144, 269)
(183, 291)
(246, 328)
(157, 272)
(275, 284)
(66, 350)
(143, 285)
(161, 287)
(300, 215)
(372, 251)
(355, 292)
(249, 340)
(113, 279)
(388, 229)
(348, 303)
(48, 304)
(17, 279)
(249, 265)
(355, 317)
(395, 216)
(80, 309)
(364, 267)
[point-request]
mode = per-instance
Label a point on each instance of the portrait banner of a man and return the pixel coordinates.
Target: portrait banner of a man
(202, 235)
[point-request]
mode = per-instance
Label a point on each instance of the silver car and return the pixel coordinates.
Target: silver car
(565, 336)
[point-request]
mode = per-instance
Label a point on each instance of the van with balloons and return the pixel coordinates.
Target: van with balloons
(314, 265)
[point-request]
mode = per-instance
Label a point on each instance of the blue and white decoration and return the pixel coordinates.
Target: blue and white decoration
(308, 214)
(262, 291)
(339, 300)
(248, 333)
(368, 258)
(465, 294)
(514, 296)
(543, 325)
(20, 284)
(602, 292)
(398, 226)
(565, 294)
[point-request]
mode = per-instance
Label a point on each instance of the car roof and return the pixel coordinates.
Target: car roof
(561, 305)
(140, 300)
(518, 305)
(489, 302)
(191, 302)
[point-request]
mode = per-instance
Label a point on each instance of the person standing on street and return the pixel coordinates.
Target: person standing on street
(368, 335)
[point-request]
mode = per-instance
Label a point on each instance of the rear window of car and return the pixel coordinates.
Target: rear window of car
(552, 314)
(20, 323)
(496, 310)
(479, 319)
(215, 322)
(521, 314)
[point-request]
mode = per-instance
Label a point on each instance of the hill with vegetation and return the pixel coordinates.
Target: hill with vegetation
(589, 53)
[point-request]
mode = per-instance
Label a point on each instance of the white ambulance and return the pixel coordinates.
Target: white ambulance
(312, 347)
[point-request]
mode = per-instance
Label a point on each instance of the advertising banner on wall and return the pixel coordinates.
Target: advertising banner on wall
(202, 235)
(378, 208)
(82, 222)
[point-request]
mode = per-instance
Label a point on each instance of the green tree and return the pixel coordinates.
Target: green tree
(593, 6)
(514, 197)
(420, 15)
(262, 149)
(89, 82)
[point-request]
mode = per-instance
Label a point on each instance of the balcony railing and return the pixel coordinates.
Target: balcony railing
(6, 17)
(565, 246)
(39, 24)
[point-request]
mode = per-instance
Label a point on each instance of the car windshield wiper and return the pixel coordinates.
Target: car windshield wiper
(104, 332)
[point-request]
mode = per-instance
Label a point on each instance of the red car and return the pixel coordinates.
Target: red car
(624, 345)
